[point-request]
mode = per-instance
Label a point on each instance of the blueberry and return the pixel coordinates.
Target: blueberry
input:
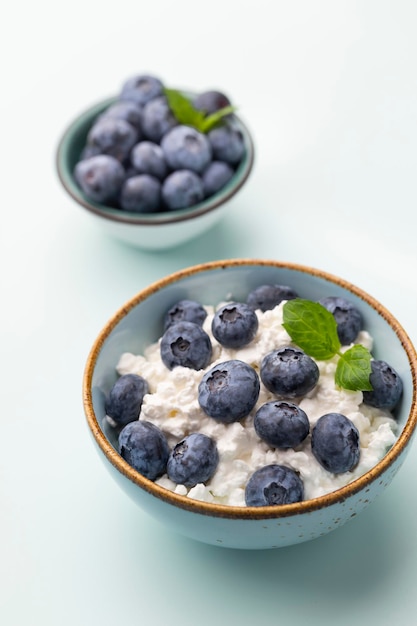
(185, 310)
(227, 144)
(88, 152)
(234, 325)
(289, 372)
(144, 446)
(141, 194)
(229, 391)
(186, 148)
(157, 119)
(267, 297)
(281, 424)
(141, 89)
(347, 316)
(335, 443)
(100, 177)
(216, 175)
(186, 344)
(125, 399)
(112, 136)
(124, 110)
(211, 101)
(147, 157)
(274, 485)
(387, 386)
(182, 189)
(193, 460)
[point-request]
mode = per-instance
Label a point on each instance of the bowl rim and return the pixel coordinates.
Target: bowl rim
(151, 219)
(247, 512)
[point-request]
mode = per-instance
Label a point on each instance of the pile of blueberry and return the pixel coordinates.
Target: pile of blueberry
(229, 391)
(138, 157)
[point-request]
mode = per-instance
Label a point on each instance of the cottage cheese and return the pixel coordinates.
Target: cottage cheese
(172, 405)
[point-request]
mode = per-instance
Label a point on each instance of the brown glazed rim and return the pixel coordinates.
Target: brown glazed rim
(244, 513)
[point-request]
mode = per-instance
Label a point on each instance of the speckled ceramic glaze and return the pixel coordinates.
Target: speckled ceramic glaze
(139, 322)
(148, 231)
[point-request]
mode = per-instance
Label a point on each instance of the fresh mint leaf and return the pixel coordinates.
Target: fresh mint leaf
(215, 118)
(185, 113)
(183, 109)
(312, 327)
(354, 368)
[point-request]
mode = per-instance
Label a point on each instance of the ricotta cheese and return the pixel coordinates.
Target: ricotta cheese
(172, 405)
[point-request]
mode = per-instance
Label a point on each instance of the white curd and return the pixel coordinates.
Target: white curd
(172, 405)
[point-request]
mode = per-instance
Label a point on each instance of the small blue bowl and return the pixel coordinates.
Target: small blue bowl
(148, 231)
(138, 323)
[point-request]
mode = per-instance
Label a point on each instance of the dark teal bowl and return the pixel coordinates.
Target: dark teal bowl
(151, 231)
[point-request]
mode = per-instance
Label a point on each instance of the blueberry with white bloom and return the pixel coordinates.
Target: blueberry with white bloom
(144, 446)
(289, 372)
(348, 318)
(112, 136)
(126, 110)
(185, 310)
(193, 460)
(274, 485)
(216, 175)
(185, 344)
(141, 89)
(100, 177)
(387, 386)
(185, 147)
(124, 401)
(234, 325)
(157, 119)
(281, 424)
(227, 144)
(211, 101)
(87, 152)
(267, 297)
(147, 157)
(182, 189)
(229, 391)
(335, 443)
(141, 194)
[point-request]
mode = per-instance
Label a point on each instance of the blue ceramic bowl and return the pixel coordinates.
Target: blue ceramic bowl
(148, 231)
(138, 323)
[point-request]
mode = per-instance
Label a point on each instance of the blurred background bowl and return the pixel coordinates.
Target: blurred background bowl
(154, 230)
(139, 323)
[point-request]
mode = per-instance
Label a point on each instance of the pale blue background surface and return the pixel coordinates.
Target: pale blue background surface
(329, 92)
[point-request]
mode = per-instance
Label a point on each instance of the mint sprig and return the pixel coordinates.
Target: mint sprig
(314, 329)
(184, 111)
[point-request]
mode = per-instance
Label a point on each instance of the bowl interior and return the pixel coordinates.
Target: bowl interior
(139, 323)
(73, 142)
